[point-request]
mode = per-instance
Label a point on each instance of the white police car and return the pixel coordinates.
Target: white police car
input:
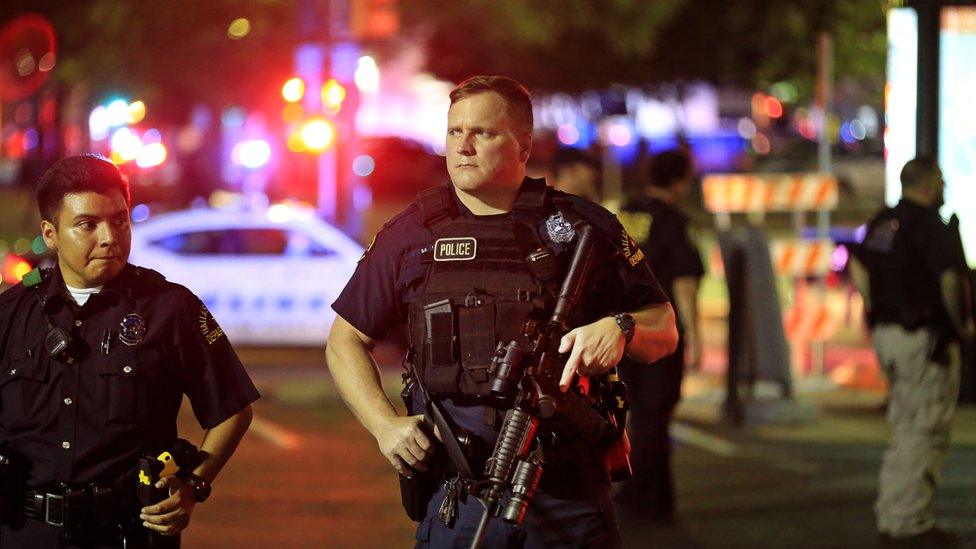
(269, 277)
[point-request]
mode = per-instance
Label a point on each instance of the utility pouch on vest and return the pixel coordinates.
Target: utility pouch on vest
(477, 328)
(440, 345)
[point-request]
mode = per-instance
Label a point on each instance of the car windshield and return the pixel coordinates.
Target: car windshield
(238, 241)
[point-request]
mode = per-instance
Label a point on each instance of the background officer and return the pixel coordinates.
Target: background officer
(489, 139)
(96, 357)
(573, 171)
(911, 276)
(661, 230)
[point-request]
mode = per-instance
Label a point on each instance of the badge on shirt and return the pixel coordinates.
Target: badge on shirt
(209, 329)
(463, 248)
(559, 229)
(132, 329)
(630, 249)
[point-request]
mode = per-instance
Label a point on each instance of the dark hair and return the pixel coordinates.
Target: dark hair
(77, 174)
(668, 166)
(512, 91)
(917, 169)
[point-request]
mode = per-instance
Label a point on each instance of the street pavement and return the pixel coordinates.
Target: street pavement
(307, 475)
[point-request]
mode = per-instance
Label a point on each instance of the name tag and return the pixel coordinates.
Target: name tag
(455, 249)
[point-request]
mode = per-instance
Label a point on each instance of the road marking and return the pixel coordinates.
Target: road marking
(275, 434)
(704, 441)
(721, 447)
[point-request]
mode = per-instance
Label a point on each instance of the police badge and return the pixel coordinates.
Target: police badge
(132, 329)
(559, 229)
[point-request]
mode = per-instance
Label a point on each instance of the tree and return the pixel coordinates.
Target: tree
(586, 44)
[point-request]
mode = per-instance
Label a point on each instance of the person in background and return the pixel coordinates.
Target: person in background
(661, 230)
(911, 274)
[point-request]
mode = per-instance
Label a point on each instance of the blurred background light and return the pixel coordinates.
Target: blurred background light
(125, 145)
(117, 112)
(98, 123)
(363, 165)
(150, 155)
(317, 134)
(293, 90)
(140, 213)
(137, 111)
(367, 75)
(233, 117)
(38, 246)
(238, 28)
(47, 62)
(333, 94)
(746, 128)
(568, 134)
(252, 153)
(773, 107)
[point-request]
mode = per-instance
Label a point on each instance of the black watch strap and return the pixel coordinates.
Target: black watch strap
(626, 323)
(201, 488)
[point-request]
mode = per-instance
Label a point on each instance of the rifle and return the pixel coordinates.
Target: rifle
(534, 367)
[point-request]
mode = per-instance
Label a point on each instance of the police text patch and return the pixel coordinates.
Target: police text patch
(455, 249)
(209, 328)
(630, 249)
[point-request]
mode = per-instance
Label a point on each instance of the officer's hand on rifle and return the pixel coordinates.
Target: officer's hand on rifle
(596, 348)
(172, 515)
(403, 441)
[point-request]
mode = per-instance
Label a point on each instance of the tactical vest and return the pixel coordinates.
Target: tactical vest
(479, 289)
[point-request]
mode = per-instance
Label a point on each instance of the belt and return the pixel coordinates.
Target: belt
(73, 506)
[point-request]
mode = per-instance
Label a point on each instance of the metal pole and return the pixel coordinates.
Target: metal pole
(927, 121)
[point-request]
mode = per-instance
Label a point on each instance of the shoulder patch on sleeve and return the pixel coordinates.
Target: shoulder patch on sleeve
(209, 329)
(629, 248)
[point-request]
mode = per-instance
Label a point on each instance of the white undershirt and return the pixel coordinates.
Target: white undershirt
(81, 295)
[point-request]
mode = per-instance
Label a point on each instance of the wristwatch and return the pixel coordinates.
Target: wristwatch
(626, 323)
(201, 488)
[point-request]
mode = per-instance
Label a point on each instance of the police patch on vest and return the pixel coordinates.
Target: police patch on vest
(455, 249)
(209, 328)
(630, 249)
(559, 229)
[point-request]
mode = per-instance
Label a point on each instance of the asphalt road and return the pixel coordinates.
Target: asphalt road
(307, 475)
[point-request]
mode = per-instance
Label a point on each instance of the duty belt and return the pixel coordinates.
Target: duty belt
(96, 502)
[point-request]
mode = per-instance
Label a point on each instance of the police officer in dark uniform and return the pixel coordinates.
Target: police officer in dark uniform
(453, 267)
(909, 270)
(95, 358)
(661, 230)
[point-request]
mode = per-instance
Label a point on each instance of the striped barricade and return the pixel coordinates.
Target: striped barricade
(802, 258)
(740, 193)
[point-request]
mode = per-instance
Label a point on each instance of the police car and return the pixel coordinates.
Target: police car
(269, 277)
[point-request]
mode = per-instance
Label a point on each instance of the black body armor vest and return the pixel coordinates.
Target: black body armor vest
(480, 288)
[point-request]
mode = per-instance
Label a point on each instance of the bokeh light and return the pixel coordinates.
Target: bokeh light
(293, 90)
(238, 28)
(363, 165)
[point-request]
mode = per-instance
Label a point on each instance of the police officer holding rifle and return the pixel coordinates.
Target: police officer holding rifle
(508, 401)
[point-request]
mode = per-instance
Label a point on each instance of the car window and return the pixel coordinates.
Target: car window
(301, 244)
(226, 242)
(243, 242)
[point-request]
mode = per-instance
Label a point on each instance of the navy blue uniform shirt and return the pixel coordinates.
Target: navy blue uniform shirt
(89, 418)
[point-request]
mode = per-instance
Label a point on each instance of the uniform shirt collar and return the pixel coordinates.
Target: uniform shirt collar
(56, 295)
